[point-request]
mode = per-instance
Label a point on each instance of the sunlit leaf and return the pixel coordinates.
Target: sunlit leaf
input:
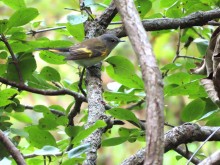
(22, 17)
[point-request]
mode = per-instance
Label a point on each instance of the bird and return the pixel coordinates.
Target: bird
(90, 51)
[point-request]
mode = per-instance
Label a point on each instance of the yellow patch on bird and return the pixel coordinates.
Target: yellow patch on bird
(86, 51)
(54, 50)
(104, 53)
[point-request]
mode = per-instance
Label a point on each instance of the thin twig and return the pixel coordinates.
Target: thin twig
(177, 52)
(56, 112)
(34, 155)
(213, 23)
(186, 154)
(190, 57)
(197, 33)
(33, 32)
(74, 111)
(209, 137)
(15, 60)
(81, 82)
(43, 92)
(138, 104)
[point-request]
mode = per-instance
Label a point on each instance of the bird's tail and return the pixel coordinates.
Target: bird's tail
(63, 51)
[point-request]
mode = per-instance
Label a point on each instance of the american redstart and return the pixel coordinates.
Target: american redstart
(90, 51)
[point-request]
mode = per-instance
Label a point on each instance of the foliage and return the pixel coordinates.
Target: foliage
(47, 129)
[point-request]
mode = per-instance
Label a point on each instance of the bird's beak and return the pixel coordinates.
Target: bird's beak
(121, 41)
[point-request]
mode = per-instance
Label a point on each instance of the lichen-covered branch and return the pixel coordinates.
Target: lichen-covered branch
(183, 134)
(96, 106)
(214, 159)
(195, 19)
(152, 80)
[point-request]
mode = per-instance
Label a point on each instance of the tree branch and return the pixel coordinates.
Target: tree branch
(214, 159)
(183, 134)
(15, 60)
(56, 112)
(43, 92)
(74, 111)
(15, 153)
(33, 32)
(96, 106)
(107, 16)
(195, 19)
(187, 155)
(152, 80)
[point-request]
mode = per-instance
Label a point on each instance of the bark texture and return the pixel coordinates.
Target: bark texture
(152, 80)
(15, 153)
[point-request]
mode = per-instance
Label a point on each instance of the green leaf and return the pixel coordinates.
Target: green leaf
(77, 151)
(143, 7)
(36, 81)
(191, 88)
(52, 58)
(177, 78)
(5, 95)
(21, 117)
(41, 108)
(19, 132)
(40, 138)
(122, 71)
(50, 74)
(15, 4)
(48, 123)
(47, 150)
(22, 17)
(77, 19)
(3, 25)
(214, 121)
(27, 66)
(123, 114)
(18, 47)
(194, 6)
(57, 107)
(124, 132)
(116, 96)
(175, 10)
(202, 45)
(3, 68)
(165, 3)
(114, 141)
(77, 31)
(46, 43)
(193, 110)
(18, 36)
(172, 66)
(72, 131)
(85, 133)
(3, 55)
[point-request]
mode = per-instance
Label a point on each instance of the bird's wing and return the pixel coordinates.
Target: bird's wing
(86, 50)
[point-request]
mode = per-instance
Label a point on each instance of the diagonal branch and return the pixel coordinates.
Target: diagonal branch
(15, 60)
(43, 92)
(107, 16)
(183, 134)
(195, 19)
(152, 80)
(15, 153)
(214, 159)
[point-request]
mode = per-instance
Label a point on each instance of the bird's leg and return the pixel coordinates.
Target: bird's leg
(81, 81)
(93, 70)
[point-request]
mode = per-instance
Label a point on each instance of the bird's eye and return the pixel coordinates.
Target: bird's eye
(112, 40)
